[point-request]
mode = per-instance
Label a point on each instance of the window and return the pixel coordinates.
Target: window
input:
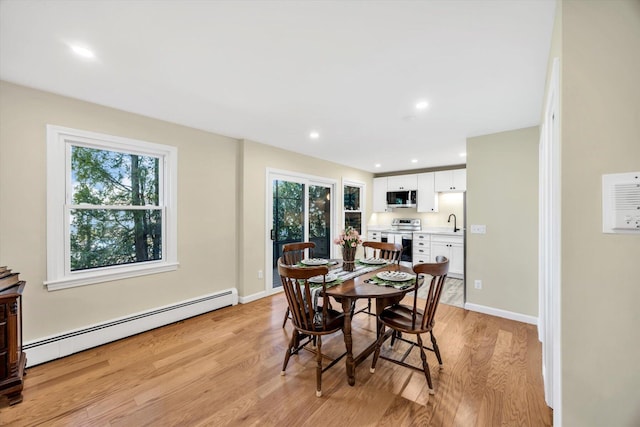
(111, 208)
(353, 204)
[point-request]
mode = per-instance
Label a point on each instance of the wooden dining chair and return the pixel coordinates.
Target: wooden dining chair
(384, 250)
(292, 254)
(415, 320)
(310, 322)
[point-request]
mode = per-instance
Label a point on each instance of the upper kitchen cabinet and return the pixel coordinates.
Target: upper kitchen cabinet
(452, 180)
(402, 182)
(427, 196)
(380, 194)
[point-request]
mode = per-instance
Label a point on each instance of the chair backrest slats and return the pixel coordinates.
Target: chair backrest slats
(438, 272)
(383, 250)
(296, 285)
(293, 253)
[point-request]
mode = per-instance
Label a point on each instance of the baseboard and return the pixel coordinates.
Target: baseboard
(259, 295)
(501, 313)
(53, 347)
(253, 297)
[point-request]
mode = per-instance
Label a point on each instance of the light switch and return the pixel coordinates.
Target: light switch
(478, 229)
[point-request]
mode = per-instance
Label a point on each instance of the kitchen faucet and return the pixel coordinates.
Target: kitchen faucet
(455, 228)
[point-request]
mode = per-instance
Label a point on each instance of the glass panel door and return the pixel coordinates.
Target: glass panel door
(300, 211)
(288, 218)
(320, 219)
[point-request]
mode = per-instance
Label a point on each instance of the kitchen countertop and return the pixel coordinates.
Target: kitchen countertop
(448, 231)
(445, 231)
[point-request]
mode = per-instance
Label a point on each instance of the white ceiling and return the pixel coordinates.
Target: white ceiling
(272, 71)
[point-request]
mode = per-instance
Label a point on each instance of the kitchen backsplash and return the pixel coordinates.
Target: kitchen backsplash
(448, 203)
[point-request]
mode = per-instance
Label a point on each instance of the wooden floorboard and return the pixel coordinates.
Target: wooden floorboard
(223, 368)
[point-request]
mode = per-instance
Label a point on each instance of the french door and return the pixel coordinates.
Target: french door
(300, 209)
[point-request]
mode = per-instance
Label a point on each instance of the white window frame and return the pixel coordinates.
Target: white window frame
(363, 187)
(59, 143)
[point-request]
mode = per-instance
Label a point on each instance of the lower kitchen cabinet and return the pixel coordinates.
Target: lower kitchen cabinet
(374, 236)
(453, 248)
(421, 248)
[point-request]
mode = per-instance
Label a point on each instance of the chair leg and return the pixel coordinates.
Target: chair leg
(376, 353)
(292, 345)
(425, 365)
(436, 350)
(319, 367)
(286, 317)
(369, 306)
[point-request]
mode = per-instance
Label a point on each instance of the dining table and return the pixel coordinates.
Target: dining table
(365, 283)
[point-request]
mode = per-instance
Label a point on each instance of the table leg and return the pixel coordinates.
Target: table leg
(348, 342)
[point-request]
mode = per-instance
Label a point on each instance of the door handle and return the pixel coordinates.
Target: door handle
(273, 234)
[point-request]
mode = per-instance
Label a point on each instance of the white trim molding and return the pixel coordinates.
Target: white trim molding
(525, 318)
(60, 141)
(550, 246)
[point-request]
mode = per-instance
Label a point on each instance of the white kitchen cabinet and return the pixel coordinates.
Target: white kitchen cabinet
(453, 248)
(402, 182)
(427, 196)
(421, 248)
(451, 180)
(374, 236)
(380, 194)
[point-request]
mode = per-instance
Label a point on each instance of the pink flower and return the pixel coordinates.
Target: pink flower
(349, 238)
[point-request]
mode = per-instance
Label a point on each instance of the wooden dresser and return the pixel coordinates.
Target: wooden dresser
(12, 358)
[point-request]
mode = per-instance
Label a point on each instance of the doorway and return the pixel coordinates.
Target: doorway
(300, 210)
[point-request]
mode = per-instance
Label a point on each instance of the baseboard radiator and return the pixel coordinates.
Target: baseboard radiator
(56, 346)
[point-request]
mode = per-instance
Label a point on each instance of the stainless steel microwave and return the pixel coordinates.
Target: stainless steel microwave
(401, 199)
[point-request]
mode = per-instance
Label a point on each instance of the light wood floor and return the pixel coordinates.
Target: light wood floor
(223, 368)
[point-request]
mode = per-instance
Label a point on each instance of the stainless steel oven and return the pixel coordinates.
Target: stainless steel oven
(402, 232)
(403, 238)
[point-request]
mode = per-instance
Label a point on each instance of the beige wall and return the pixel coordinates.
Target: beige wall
(502, 193)
(256, 159)
(600, 272)
(221, 209)
(206, 168)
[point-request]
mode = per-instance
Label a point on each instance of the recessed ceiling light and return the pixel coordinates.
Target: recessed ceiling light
(83, 51)
(314, 135)
(377, 165)
(463, 154)
(422, 105)
(414, 160)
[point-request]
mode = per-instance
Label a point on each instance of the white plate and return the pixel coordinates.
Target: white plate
(318, 279)
(315, 261)
(373, 261)
(394, 276)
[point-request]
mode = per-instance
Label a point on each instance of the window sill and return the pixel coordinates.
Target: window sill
(107, 275)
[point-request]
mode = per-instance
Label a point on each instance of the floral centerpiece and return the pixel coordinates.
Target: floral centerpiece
(348, 240)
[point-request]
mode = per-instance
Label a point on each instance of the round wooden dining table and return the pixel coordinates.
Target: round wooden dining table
(349, 291)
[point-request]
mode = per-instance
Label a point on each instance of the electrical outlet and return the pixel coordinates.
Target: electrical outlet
(478, 229)
(477, 284)
(260, 274)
